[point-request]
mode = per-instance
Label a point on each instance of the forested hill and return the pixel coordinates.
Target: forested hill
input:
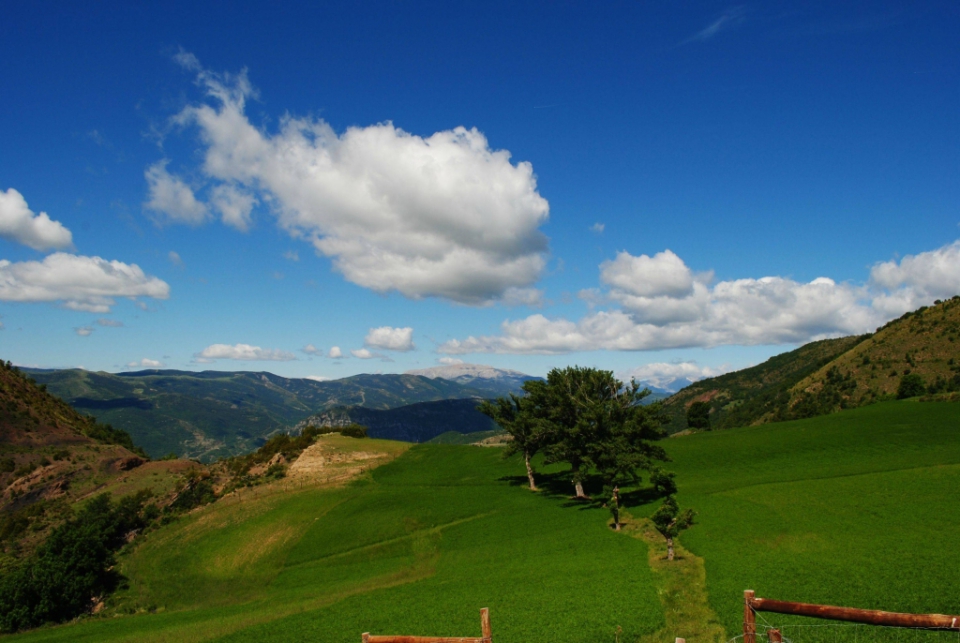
(211, 414)
(754, 394)
(919, 353)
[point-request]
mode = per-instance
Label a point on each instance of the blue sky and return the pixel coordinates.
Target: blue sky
(669, 190)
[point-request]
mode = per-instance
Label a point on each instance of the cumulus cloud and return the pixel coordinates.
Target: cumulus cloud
(363, 353)
(335, 352)
(666, 375)
(145, 363)
(919, 279)
(389, 338)
(450, 361)
(243, 352)
(659, 303)
(110, 323)
(663, 274)
(83, 331)
(174, 258)
(438, 216)
(38, 231)
(234, 206)
(81, 283)
(597, 228)
(310, 349)
(318, 378)
(171, 198)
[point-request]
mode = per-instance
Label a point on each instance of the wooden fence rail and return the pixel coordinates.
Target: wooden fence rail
(485, 636)
(753, 604)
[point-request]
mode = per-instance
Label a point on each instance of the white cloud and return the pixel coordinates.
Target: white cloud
(660, 303)
(310, 349)
(81, 283)
(111, 323)
(145, 363)
(597, 228)
(450, 361)
(235, 206)
(389, 338)
(291, 255)
(335, 352)
(664, 274)
(83, 331)
(363, 353)
(318, 378)
(38, 231)
(243, 352)
(919, 279)
(664, 375)
(437, 216)
(175, 259)
(171, 197)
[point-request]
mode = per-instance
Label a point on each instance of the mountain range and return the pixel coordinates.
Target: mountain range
(211, 414)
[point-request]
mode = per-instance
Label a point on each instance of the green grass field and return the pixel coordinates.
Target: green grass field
(855, 509)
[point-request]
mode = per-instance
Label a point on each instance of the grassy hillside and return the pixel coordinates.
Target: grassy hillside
(417, 546)
(925, 342)
(755, 394)
(215, 414)
(849, 509)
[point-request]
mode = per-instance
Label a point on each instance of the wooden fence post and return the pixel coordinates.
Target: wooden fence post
(749, 618)
(774, 636)
(485, 625)
(366, 637)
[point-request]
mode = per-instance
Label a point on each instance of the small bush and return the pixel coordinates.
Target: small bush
(911, 385)
(354, 431)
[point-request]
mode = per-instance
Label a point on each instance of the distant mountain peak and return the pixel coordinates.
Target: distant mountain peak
(472, 371)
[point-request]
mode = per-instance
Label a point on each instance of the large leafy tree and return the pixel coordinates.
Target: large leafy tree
(515, 416)
(591, 420)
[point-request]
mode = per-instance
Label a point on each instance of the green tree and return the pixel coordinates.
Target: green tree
(663, 481)
(670, 521)
(911, 385)
(590, 419)
(515, 416)
(698, 416)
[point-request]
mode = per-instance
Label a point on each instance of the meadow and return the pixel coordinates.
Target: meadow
(856, 508)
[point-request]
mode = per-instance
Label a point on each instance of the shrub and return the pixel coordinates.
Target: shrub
(354, 431)
(911, 385)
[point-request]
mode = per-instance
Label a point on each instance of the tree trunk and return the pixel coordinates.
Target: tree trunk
(579, 487)
(526, 459)
(669, 548)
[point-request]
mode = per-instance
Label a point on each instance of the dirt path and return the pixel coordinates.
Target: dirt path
(681, 585)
